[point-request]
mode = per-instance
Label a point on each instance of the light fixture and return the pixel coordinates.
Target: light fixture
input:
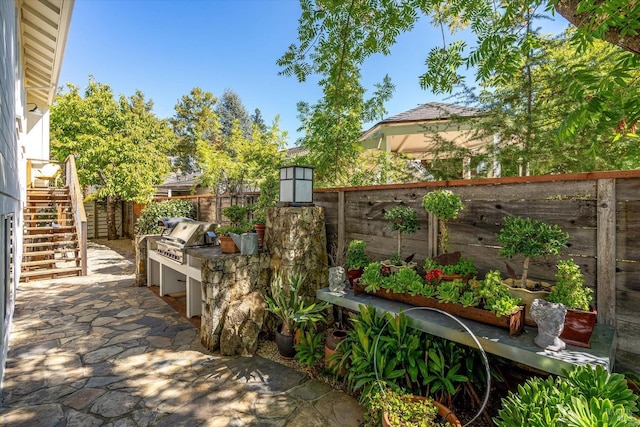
(296, 186)
(35, 109)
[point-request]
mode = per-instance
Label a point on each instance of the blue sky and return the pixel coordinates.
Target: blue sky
(167, 47)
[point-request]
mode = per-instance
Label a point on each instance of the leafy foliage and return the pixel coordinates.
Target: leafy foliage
(310, 349)
(356, 256)
(569, 288)
(588, 396)
(463, 267)
(194, 120)
(372, 277)
(290, 307)
(530, 238)
(119, 145)
(592, 105)
(147, 222)
(403, 219)
(445, 205)
(401, 409)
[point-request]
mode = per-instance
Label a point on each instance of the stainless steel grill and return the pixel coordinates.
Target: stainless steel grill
(184, 233)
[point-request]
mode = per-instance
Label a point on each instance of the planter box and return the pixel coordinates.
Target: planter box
(514, 322)
(578, 327)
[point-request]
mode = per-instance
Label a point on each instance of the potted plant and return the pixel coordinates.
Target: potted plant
(267, 199)
(570, 291)
(486, 301)
(530, 238)
(451, 266)
(356, 260)
(292, 309)
(395, 408)
(404, 220)
(445, 205)
(237, 215)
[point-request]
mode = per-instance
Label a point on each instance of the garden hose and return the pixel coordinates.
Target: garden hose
(475, 339)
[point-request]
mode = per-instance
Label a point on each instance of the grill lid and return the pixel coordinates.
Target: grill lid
(190, 233)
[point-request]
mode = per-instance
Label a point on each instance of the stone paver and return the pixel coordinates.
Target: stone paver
(98, 351)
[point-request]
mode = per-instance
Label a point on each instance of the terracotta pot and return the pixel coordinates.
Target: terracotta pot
(260, 228)
(578, 327)
(443, 411)
(227, 245)
(354, 274)
(335, 337)
(285, 344)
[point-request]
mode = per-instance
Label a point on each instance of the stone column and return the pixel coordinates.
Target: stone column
(233, 309)
(296, 239)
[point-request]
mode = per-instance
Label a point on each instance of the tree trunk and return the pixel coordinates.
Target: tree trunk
(111, 218)
(629, 42)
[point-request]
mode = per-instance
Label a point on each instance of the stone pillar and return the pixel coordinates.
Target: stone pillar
(140, 246)
(233, 309)
(296, 239)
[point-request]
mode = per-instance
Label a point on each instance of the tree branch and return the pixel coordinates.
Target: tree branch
(567, 8)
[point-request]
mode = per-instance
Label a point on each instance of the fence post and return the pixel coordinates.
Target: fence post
(432, 239)
(341, 230)
(606, 252)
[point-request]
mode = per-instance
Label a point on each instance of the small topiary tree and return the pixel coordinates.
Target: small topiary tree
(445, 205)
(403, 219)
(530, 238)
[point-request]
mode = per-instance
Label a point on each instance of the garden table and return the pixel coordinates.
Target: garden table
(494, 340)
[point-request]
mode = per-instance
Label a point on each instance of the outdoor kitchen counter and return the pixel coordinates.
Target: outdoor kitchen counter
(204, 253)
(173, 277)
(494, 340)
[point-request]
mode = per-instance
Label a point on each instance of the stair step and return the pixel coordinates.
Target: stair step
(53, 230)
(58, 244)
(48, 236)
(31, 254)
(61, 221)
(51, 262)
(51, 273)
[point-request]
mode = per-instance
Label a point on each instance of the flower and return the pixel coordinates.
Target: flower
(433, 276)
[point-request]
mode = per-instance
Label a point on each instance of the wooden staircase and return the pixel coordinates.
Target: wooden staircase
(50, 246)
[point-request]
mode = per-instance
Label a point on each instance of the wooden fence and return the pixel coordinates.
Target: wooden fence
(600, 211)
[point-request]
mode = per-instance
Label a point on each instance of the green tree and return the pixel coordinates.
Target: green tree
(195, 120)
(120, 146)
(230, 109)
(256, 119)
(238, 164)
(334, 39)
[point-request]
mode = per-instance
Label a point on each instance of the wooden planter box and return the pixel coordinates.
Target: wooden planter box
(514, 322)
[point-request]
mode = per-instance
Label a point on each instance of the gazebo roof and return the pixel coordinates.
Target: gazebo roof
(416, 131)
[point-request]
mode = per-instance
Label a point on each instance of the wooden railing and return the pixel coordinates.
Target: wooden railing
(75, 191)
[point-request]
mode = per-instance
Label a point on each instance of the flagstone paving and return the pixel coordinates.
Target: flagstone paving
(99, 351)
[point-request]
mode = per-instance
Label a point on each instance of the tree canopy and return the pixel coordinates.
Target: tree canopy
(119, 145)
(336, 37)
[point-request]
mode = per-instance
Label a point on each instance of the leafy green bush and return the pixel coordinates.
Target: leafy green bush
(147, 223)
(569, 288)
(310, 348)
(356, 256)
(372, 277)
(588, 396)
(463, 267)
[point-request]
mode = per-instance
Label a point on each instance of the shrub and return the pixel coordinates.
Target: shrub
(147, 223)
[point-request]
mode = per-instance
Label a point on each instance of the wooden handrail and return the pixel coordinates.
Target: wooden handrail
(75, 191)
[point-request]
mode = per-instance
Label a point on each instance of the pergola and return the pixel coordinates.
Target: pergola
(418, 132)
